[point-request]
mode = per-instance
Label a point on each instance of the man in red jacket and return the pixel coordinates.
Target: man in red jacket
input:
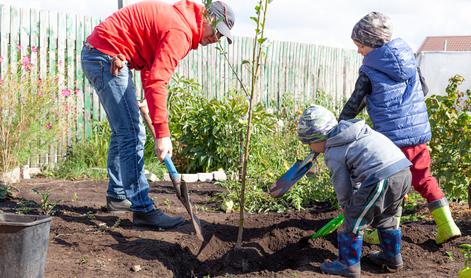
(152, 37)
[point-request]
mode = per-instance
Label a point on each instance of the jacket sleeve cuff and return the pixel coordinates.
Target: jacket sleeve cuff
(161, 130)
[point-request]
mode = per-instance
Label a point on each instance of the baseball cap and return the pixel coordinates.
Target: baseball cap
(222, 12)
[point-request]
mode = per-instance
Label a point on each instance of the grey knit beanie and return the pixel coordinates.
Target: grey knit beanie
(373, 30)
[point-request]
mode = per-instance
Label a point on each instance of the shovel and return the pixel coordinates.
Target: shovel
(182, 194)
(293, 175)
(179, 185)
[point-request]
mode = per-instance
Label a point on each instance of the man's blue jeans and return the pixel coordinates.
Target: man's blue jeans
(117, 95)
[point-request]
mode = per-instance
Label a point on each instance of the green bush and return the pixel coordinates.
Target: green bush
(207, 132)
(450, 119)
(86, 158)
(32, 115)
(207, 136)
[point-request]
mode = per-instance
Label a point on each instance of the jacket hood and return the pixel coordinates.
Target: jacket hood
(347, 132)
(193, 15)
(395, 59)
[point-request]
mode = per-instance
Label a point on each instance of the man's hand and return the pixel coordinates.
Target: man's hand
(117, 63)
(143, 106)
(163, 146)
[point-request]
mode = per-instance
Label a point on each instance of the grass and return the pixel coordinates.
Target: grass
(88, 158)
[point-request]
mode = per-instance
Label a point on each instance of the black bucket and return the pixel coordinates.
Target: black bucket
(23, 245)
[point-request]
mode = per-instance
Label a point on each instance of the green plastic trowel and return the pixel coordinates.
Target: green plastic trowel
(328, 228)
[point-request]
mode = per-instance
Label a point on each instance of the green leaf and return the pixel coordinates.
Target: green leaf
(261, 40)
(465, 246)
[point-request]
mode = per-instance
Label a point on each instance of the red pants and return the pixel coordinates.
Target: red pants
(422, 180)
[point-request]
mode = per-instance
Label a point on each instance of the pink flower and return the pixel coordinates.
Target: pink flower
(66, 92)
(40, 93)
(26, 63)
(77, 91)
(18, 46)
(1, 59)
(34, 49)
(1, 81)
(49, 126)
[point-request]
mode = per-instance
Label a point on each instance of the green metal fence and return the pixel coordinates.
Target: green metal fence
(53, 42)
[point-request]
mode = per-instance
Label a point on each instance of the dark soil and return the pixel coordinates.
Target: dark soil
(87, 241)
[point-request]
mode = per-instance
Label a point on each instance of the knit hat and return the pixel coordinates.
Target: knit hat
(373, 30)
(315, 124)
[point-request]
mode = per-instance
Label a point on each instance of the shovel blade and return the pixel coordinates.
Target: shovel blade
(181, 190)
(288, 179)
(185, 199)
(293, 175)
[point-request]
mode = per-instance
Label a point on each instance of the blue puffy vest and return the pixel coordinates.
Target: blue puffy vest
(396, 104)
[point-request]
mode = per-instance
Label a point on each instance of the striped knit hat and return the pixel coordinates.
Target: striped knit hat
(315, 124)
(373, 30)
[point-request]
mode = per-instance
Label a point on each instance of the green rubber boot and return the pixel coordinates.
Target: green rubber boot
(371, 236)
(446, 227)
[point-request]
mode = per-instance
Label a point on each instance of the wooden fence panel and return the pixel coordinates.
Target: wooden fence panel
(78, 76)
(54, 43)
(4, 38)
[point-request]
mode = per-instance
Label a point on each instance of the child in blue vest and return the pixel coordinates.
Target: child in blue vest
(370, 176)
(390, 86)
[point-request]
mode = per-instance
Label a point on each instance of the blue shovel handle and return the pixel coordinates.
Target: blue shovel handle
(171, 168)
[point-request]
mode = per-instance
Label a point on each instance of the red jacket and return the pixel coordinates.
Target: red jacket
(154, 37)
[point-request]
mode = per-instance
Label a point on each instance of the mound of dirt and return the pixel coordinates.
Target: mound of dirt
(87, 241)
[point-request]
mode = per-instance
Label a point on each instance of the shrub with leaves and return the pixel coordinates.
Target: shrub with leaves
(5, 192)
(87, 158)
(207, 131)
(271, 155)
(207, 134)
(46, 205)
(33, 113)
(450, 118)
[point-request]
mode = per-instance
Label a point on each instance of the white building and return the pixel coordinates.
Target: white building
(442, 57)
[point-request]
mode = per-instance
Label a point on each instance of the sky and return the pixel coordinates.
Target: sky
(322, 22)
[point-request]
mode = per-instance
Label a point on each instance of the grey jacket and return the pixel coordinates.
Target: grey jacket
(356, 155)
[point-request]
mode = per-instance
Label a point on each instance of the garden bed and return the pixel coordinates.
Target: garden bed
(87, 241)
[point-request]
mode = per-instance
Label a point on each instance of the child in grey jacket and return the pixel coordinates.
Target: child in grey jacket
(370, 176)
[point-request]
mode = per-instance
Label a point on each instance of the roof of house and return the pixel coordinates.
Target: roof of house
(446, 43)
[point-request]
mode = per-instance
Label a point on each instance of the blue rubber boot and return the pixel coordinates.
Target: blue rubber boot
(390, 255)
(348, 263)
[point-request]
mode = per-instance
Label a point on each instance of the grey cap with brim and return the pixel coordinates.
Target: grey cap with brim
(225, 16)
